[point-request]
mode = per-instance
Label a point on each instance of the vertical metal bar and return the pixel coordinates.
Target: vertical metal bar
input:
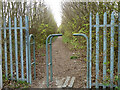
(10, 41)
(29, 62)
(5, 48)
(1, 85)
(104, 47)
(33, 43)
(112, 51)
(118, 44)
(119, 49)
(47, 71)
(97, 50)
(16, 48)
(26, 36)
(34, 58)
(90, 52)
(88, 77)
(51, 73)
(21, 49)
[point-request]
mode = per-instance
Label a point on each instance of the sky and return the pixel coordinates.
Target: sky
(55, 6)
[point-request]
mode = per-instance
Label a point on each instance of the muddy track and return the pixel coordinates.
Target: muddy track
(63, 66)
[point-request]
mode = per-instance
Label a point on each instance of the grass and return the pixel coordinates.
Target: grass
(14, 84)
(73, 57)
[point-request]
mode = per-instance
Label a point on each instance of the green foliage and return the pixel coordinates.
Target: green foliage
(75, 19)
(22, 82)
(116, 77)
(42, 25)
(73, 57)
(42, 54)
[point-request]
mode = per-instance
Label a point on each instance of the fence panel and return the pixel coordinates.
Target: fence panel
(16, 57)
(112, 26)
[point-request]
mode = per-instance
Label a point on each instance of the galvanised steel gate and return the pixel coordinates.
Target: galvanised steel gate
(50, 64)
(17, 53)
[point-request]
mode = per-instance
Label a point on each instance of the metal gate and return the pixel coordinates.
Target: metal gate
(16, 57)
(89, 52)
(50, 64)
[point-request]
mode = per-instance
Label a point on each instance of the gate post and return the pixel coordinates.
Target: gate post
(34, 62)
(47, 64)
(51, 74)
(47, 71)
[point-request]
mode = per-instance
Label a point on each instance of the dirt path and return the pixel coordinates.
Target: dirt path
(63, 66)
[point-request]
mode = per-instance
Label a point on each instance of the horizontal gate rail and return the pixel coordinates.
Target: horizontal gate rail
(14, 27)
(108, 25)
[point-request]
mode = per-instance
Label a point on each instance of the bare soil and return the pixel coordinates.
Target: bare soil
(63, 66)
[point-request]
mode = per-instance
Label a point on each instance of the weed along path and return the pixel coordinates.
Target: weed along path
(66, 72)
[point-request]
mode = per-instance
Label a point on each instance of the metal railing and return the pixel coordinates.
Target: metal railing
(18, 62)
(50, 64)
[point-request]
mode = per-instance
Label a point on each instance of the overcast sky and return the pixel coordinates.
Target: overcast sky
(55, 6)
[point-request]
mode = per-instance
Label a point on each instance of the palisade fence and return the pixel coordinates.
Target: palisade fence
(16, 61)
(105, 26)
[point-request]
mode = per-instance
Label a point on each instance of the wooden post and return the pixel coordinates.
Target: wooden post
(1, 85)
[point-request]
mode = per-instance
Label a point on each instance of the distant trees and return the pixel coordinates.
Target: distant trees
(76, 14)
